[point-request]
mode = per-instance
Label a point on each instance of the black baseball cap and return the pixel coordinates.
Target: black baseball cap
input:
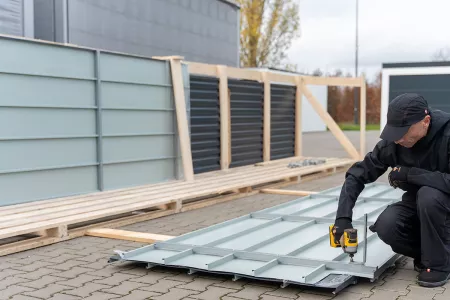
(403, 111)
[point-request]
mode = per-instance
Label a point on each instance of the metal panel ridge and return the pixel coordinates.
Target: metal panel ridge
(287, 243)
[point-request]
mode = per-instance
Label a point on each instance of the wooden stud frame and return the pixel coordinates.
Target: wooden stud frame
(301, 82)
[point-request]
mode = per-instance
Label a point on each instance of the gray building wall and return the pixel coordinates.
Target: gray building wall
(16, 17)
(200, 30)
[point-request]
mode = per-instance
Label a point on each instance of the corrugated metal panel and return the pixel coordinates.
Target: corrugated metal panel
(288, 243)
(433, 87)
(282, 131)
(205, 123)
(74, 121)
(247, 100)
(11, 17)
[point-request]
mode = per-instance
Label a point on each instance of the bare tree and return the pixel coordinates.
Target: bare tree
(442, 54)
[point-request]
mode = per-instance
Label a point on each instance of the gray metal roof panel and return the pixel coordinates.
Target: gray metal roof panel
(287, 243)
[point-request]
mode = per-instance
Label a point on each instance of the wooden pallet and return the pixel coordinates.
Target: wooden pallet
(49, 221)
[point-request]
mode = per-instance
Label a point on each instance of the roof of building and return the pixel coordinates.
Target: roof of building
(232, 2)
(416, 64)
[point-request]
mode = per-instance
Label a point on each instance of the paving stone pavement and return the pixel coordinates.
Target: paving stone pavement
(78, 269)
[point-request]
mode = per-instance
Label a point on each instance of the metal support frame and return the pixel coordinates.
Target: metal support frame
(289, 267)
(99, 122)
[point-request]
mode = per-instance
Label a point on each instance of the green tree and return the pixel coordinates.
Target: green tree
(267, 30)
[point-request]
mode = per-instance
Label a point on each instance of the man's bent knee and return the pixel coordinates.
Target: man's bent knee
(429, 198)
(385, 224)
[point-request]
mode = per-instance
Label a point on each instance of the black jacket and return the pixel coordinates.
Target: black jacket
(428, 159)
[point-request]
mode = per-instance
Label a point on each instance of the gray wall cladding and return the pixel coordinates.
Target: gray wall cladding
(200, 30)
(282, 128)
(205, 123)
(434, 88)
(74, 120)
(11, 17)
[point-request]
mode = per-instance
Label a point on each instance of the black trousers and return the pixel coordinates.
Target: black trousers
(418, 227)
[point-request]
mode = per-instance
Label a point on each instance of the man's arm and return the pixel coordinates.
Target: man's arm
(368, 170)
(436, 179)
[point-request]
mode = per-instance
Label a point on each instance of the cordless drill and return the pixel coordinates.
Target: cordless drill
(350, 241)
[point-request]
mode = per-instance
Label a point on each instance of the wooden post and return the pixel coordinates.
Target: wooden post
(362, 117)
(267, 117)
(225, 144)
(334, 128)
(298, 116)
(183, 126)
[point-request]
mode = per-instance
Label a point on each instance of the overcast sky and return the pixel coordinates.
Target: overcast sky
(389, 31)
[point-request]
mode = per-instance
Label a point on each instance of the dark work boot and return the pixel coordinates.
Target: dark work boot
(418, 266)
(432, 278)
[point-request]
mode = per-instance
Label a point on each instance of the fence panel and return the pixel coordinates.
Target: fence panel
(75, 121)
(282, 135)
(205, 123)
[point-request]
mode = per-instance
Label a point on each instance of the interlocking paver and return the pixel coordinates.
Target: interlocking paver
(288, 292)
(42, 282)
(163, 286)
(74, 272)
(79, 280)
(199, 284)
(26, 259)
(263, 297)
(8, 265)
(86, 289)
(108, 271)
(34, 266)
(308, 296)
(48, 291)
(182, 277)
(403, 274)
(22, 297)
(66, 266)
(213, 292)
(60, 251)
(176, 294)
(383, 295)
(64, 297)
(150, 278)
(10, 272)
(116, 279)
(419, 293)
(14, 290)
(364, 287)
(229, 284)
(8, 281)
(62, 258)
(98, 265)
(95, 257)
(102, 296)
(125, 288)
(396, 285)
(139, 295)
(38, 273)
(251, 292)
(350, 296)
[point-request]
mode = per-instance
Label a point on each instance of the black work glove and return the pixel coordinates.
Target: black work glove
(339, 226)
(398, 176)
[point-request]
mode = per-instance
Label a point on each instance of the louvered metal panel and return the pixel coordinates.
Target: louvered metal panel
(288, 243)
(282, 131)
(247, 99)
(205, 123)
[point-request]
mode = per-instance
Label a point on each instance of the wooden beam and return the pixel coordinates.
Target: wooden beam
(287, 192)
(267, 117)
(180, 104)
(247, 74)
(117, 234)
(168, 57)
(298, 116)
(333, 81)
(224, 99)
(202, 69)
(334, 128)
(362, 138)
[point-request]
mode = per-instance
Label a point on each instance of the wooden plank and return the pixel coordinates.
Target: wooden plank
(362, 109)
(287, 192)
(247, 74)
(168, 57)
(202, 69)
(281, 78)
(267, 117)
(225, 145)
(180, 103)
(332, 81)
(134, 236)
(298, 116)
(334, 128)
(116, 207)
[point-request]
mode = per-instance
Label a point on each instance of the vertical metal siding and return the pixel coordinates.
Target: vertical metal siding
(11, 17)
(74, 120)
(434, 88)
(247, 100)
(205, 123)
(282, 131)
